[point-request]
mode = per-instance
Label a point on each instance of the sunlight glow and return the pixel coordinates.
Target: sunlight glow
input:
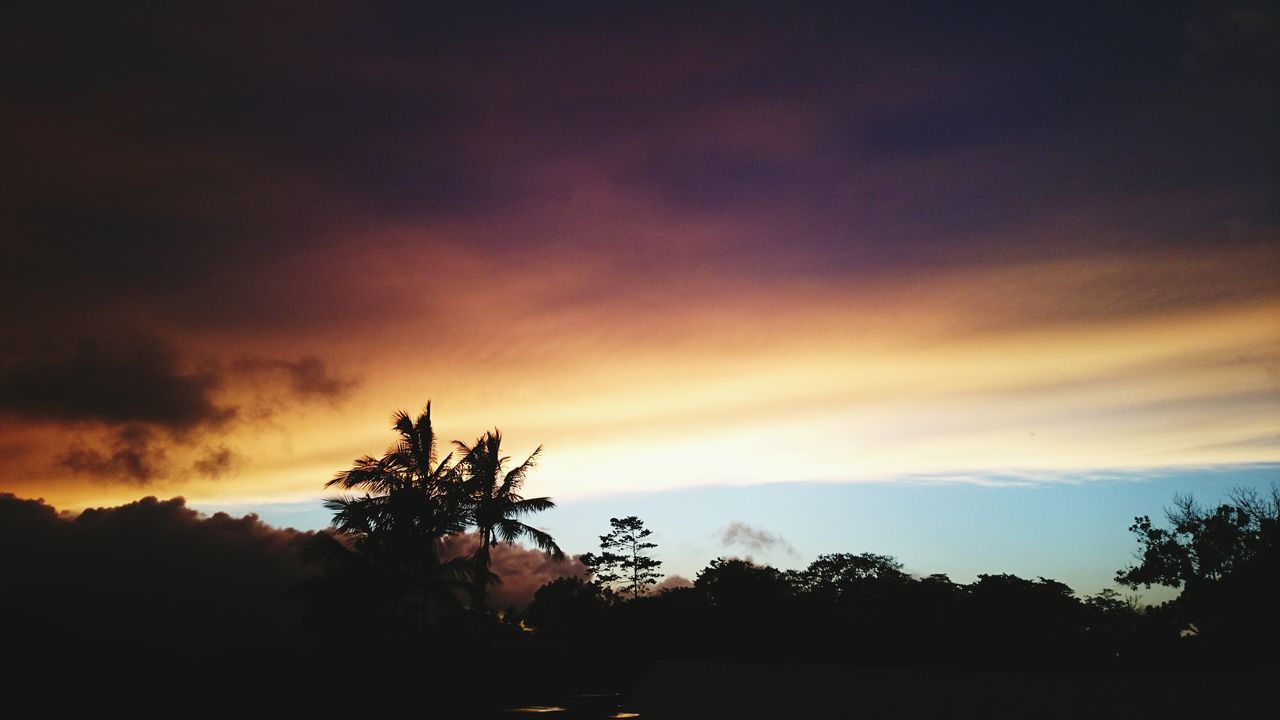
(820, 388)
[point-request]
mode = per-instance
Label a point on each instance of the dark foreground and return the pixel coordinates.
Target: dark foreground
(688, 690)
(702, 691)
(559, 684)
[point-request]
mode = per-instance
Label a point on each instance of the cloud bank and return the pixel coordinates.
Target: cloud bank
(151, 576)
(672, 582)
(521, 569)
(163, 578)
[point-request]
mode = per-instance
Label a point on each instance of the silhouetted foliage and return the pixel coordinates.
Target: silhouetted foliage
(1227, 562)
(624, 560)
(386, 559)
(391, 597)
(845, 576)
(568, 609)
(865, 610)
(495, 504)
(736, 585)
(1204, 546)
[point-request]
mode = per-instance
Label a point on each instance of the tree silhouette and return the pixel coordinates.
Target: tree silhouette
(495, 504)
(1203, 546)
(733, 583)
(843, 575)
(390, 536)
(568, 608)
(630, 566)
(1227, 560)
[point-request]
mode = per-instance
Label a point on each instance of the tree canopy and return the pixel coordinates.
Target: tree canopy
(624, 560)
(1227, 562)
(387, 554)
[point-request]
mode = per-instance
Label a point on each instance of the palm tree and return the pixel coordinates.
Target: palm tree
(410, 505)
(496, 504)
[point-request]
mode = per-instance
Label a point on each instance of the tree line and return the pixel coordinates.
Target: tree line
(401, 590)
(865, 610)
(386, 561)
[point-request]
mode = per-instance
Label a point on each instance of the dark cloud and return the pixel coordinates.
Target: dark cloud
(133, 457)
(149, 541)
(121, 401)
(753, 539)
(308, 377)
(217, 462)
(125, 402)
(127, 378)
(149, 574)
(184, 161)
(522, 570)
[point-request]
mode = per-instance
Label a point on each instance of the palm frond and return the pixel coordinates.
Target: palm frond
(443, 473)
(544, 542)
(511, 530)
(527, 506)
(457, 570)
(401, 423)
(426, 439)
(360, 464)
(338, 503)
(464, 448)
(516, 477)
(371, 473)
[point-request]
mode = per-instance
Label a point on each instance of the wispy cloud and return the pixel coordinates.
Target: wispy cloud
(753, 539)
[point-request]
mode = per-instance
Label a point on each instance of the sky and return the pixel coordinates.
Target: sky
(779, 278)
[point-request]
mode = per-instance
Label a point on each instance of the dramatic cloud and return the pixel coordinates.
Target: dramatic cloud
(753, 539)
(708, 235)
(132, 378)
(128, 407)
(522, 570)
(134, 457)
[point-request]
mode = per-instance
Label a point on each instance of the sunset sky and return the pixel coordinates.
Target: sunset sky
(970, 286)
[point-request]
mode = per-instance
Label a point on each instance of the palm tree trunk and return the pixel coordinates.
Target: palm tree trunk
(482, 572)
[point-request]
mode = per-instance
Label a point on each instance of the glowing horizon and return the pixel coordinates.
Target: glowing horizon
(772, 247)
(1178, 390)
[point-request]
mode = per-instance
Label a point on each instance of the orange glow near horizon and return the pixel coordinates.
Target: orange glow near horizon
(784, 383)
